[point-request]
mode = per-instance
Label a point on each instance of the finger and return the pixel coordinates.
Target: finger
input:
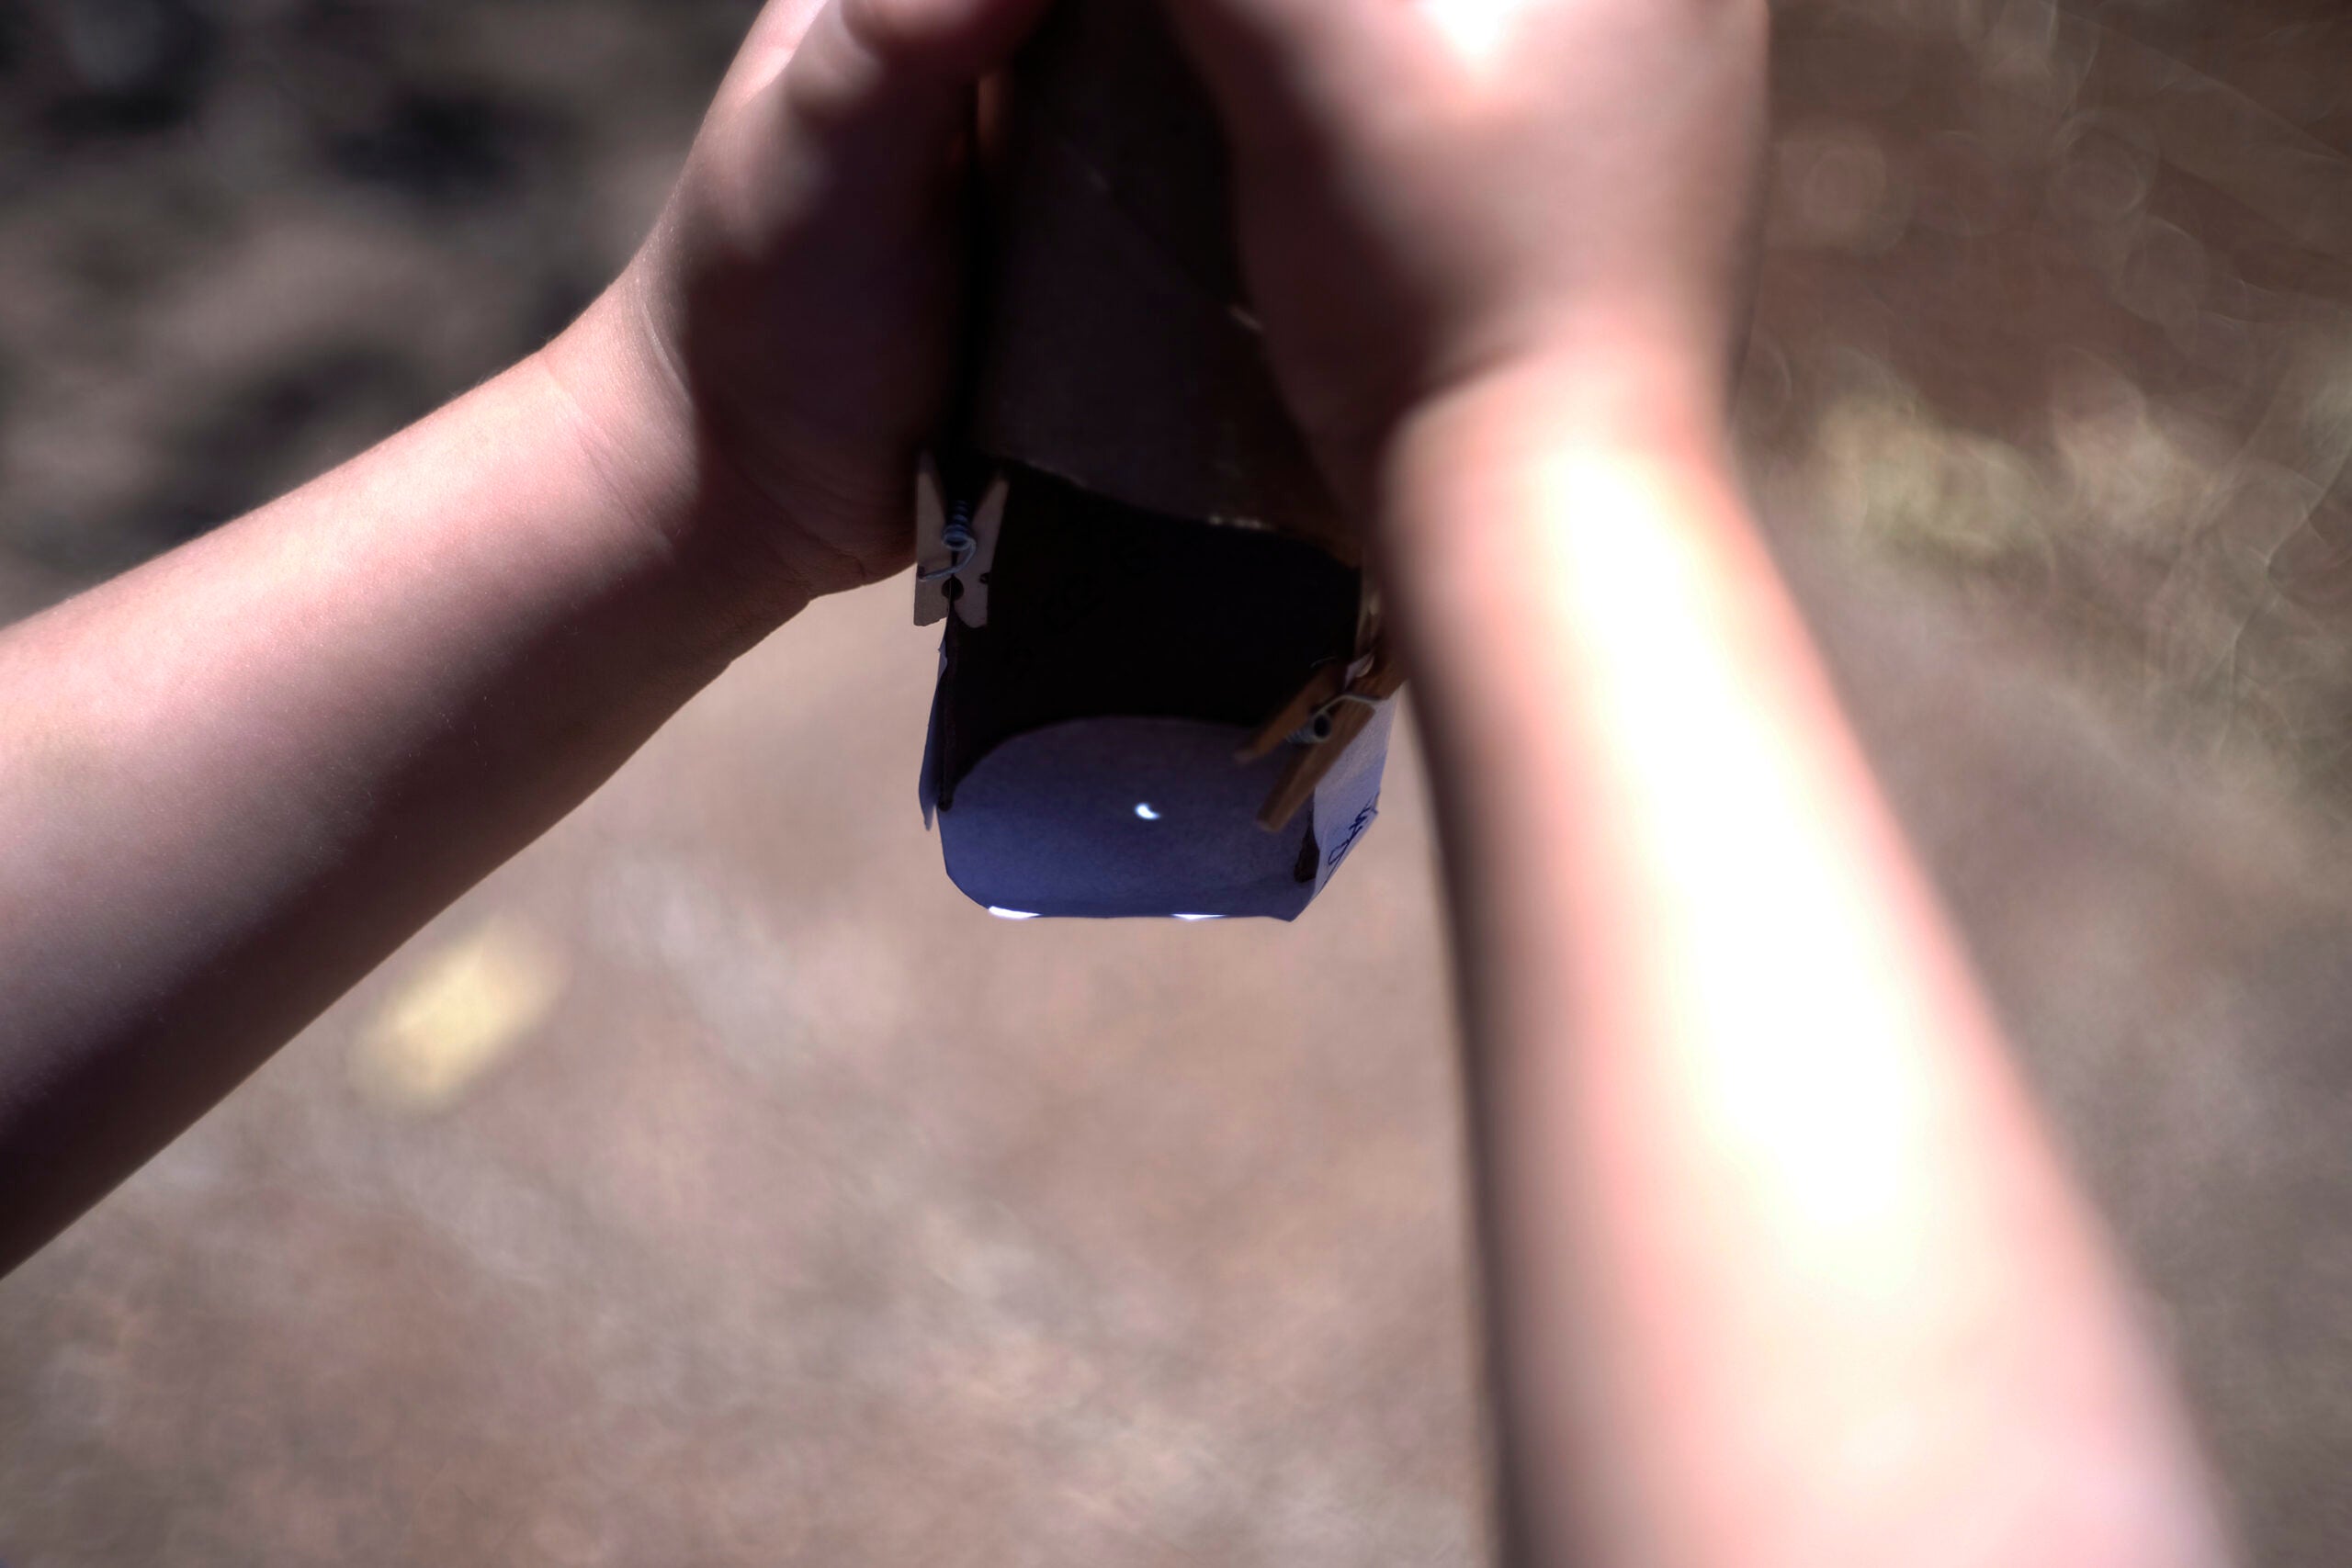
(1281, 69)
(879, 94)
(961, 41)
(866, 51)
(773, 39)
(860, 57)
(854, 107)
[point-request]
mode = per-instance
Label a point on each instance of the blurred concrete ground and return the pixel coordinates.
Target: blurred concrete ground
(714, 1187)
(794, 1211)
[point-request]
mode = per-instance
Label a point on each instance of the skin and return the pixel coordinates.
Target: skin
(1782, 1269)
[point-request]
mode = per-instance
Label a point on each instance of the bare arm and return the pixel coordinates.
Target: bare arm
(236, 779)
(239, 777)
(1783, 1271)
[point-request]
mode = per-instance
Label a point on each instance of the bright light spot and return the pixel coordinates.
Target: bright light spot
(1011, 914)
(1146, 813)
(1200, 916)
(1480, 31)
(461, 1013)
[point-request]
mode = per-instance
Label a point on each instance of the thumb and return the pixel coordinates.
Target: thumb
(861, 59)
(853, 108)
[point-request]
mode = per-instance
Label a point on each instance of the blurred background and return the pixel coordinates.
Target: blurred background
(713, 1186)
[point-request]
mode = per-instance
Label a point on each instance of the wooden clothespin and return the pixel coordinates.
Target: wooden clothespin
(1327, 716)
(955, 546)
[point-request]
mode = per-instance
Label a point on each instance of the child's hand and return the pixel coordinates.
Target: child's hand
(1440, 193)
(781, 347)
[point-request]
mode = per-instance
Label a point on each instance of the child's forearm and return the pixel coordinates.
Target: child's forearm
(237, 778)
(1785, 1271)
(234, 780)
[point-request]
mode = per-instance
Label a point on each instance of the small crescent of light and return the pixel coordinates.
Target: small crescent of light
(1146, 813)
